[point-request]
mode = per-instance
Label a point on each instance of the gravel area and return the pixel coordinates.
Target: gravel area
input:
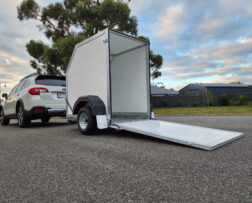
(55, 163)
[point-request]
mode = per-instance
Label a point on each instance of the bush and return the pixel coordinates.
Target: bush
(165, 102)
(249, 103)
(241, 98)
(230, 102)
(224, 100)
(180, 103)
(236, 103)
(210, 103)
(195, 104)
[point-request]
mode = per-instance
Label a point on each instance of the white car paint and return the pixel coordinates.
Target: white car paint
(49, 100)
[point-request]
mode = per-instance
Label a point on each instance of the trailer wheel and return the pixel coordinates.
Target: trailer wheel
(86, 121)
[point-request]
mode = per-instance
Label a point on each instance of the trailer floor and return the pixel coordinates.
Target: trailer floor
(54, 163)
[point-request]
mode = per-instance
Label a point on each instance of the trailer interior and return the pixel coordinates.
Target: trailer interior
(129, 69)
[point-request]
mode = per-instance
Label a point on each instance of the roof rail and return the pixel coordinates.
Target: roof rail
(33, 74)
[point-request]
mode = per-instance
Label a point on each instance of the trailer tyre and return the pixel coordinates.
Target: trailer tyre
(86, 121)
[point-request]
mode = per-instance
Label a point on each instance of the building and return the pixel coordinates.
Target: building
(160, 92)
(160, 97)
(198, 89)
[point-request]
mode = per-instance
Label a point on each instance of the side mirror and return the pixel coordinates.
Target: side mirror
(5, 95)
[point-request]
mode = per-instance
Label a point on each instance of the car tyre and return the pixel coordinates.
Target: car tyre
(86, 121)
(23, 120)
(71, 122)
(45, 119)
(3, 119)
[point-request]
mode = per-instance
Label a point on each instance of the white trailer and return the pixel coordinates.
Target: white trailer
(108, 86)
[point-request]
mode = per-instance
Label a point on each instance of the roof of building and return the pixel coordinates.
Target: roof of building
(219, 85)
(223, 85)
(160, 90)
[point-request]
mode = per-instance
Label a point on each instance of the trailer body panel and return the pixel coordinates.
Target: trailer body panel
(116, 68)
(87, 71)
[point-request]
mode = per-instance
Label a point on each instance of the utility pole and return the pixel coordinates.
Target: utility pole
(207, 97)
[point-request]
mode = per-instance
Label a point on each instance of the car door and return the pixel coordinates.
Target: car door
(7, 102)
(15, 98)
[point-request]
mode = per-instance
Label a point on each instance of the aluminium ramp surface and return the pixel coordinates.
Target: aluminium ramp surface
(199, 137)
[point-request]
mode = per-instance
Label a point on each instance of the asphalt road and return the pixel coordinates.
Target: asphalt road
(55, 163)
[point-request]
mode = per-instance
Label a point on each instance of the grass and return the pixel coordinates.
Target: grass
(217, 110)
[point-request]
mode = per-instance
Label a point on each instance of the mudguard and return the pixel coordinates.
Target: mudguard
(97, 107)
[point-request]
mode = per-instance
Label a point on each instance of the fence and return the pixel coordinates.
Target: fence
(184, 101)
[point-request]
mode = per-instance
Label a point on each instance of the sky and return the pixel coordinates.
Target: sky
(201, 41)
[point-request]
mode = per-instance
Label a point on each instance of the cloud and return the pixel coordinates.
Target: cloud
(140, 7)
(169, 23)
(196, 21)
(201, 41)
(222, 79)
(216, 71)
(14, 60)
(12, 69)
(229, 49)
(231, 60)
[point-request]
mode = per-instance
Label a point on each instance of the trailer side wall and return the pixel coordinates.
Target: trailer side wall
(88, 70)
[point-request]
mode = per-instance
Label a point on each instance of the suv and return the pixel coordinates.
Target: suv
(35, 97)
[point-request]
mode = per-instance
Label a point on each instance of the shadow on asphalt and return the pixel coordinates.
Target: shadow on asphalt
(42, 125)
(112, 133)
(122, 134)
(118, 134)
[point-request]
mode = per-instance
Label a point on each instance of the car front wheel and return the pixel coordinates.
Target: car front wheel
(23, 120)
(3, 119)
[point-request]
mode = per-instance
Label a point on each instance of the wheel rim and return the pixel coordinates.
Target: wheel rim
(83, 120)
(20, 115)
(1, 116)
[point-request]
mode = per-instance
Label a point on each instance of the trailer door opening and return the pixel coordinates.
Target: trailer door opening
(129, 63)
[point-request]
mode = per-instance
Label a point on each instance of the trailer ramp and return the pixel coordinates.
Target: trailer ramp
(199, 137)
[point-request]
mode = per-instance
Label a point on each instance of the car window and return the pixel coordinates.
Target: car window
(51, 81)
(13, 91)
(20, 87)
(26, 84)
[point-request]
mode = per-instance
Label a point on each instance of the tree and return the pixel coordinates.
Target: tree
(236, 82)
(208, 97)
(156, 61)
(158, 84)
(187, 93)
(67, 23)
